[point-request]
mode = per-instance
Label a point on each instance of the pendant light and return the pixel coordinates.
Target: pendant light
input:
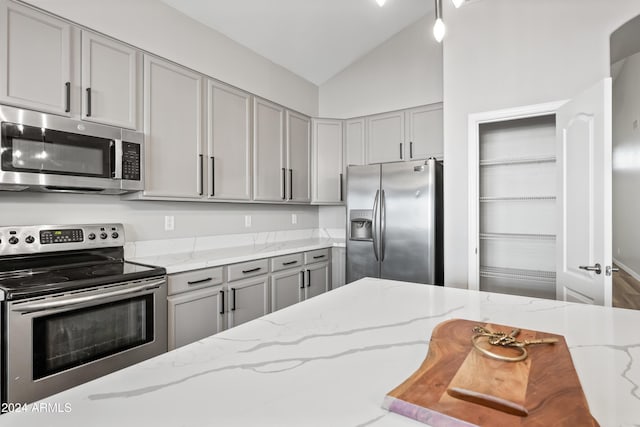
(457, 3)
(381, 2)
(439, 28)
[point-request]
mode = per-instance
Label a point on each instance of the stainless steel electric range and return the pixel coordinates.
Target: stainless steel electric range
(73, 309)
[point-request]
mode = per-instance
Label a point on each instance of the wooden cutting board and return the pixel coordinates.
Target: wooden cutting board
(545, 384)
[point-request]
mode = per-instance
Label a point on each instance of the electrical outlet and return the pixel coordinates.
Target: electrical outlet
(294, 218)
(169, 223)
(247, 221)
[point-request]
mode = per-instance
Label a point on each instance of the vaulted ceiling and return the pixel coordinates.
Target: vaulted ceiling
(313, 38)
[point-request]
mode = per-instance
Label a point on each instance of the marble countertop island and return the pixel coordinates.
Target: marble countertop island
(330, 360)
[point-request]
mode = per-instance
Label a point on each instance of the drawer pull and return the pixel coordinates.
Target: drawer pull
(318, 256)
(252, 270)
(290, 262)
(196, 282)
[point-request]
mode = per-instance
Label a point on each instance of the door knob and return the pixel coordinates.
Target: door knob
(596, 268)
(609, 270)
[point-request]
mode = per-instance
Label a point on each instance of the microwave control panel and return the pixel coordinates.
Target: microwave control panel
(130, 161)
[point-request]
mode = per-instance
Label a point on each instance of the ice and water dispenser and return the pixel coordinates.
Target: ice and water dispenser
(361, 222)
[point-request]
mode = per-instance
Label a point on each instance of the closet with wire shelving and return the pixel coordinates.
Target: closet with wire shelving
(516, 206)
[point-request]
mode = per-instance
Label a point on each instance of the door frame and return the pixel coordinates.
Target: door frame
(473, 187)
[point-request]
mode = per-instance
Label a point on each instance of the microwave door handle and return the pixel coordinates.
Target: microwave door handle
(116, 158)
(49, 305)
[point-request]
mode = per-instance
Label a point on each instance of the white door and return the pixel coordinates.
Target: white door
(109, 81)
(584, 197)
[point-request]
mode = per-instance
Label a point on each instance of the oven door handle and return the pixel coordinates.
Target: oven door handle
(39, 306)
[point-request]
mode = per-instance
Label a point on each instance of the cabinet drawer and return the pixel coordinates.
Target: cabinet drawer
(191, 280)
(286, 261)
(316, 256)
(247, 269)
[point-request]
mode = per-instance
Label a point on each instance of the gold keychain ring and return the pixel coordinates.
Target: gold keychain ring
(475, 339)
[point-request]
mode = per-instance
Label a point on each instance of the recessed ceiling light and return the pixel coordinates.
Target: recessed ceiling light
(381, 2)
(457, 3)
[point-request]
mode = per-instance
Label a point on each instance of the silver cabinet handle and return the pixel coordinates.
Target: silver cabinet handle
(595, 268)
(383, 225)
(374, 228)
(39, 306)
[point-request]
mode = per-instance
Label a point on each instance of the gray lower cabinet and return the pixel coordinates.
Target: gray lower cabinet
(318, 279)
(248, 299)
(287, 288)
(195, 315)
(195, 306)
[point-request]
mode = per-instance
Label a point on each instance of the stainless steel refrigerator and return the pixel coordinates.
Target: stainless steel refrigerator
(394, 222)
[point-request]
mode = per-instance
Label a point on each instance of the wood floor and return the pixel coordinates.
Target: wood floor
(626, 291)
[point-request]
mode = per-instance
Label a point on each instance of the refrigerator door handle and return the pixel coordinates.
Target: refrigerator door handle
(374, 225)
(383, 225)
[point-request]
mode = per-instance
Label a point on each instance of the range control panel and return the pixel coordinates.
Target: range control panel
(52, 238)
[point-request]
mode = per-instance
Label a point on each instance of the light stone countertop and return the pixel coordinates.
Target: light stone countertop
(330, 360)
(179, 255)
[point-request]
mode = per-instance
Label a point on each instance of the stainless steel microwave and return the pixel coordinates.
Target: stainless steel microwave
(43, 152)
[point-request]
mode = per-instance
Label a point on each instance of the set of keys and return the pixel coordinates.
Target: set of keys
(503, 339)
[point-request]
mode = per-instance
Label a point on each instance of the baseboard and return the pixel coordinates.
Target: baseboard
(627, 269)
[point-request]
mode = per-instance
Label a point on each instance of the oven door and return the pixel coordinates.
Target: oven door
(60, 341)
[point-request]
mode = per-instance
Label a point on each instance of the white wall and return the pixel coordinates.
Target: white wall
(405, 71)
(144, 220)
(504, 53)
(155, 27)
(626, 165)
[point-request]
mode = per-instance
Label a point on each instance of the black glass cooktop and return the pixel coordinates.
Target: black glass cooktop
(29, 276)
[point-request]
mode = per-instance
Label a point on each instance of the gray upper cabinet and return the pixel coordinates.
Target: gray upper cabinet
(269, 175)
(424, 132)
(297, 153)
(36, 53)
(110, 81)
(228, 142)
(327, 168)
(386, 137)
(355, 142)
(173, 131)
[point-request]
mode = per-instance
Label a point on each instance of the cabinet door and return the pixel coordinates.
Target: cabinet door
(338, 263)
(36, 60)
(172, 126)
(268, 154)
(109, 81)
(287, 288)
(355, 142)
(229, 142)
(386, 137)
(194, 315)
(318, 279)
(424, 132)
(298, 160)
(248, 300)
(327, 161)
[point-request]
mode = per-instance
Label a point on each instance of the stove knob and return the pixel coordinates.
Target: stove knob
(115, 235)
(13, 240)
(92, 236)
(29, 239)
(103, 235)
